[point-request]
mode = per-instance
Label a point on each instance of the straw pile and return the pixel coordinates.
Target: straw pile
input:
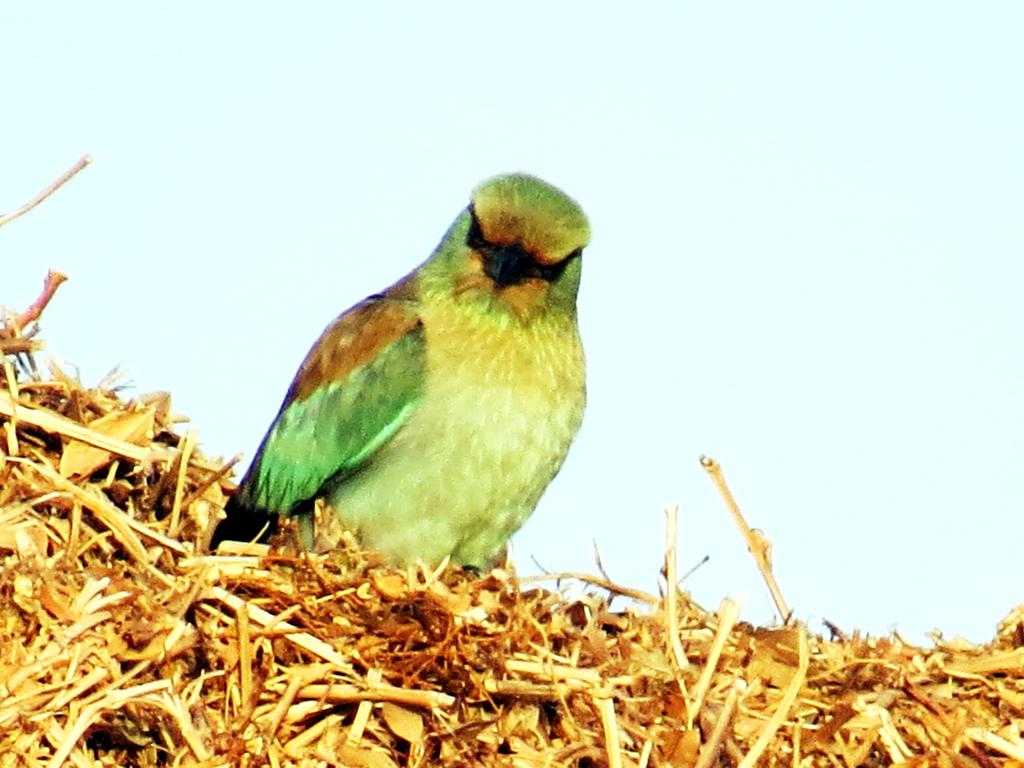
(124, 643)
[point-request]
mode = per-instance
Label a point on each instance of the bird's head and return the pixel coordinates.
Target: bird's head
(516, 249)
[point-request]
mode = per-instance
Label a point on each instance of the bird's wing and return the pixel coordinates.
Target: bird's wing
(357, 386)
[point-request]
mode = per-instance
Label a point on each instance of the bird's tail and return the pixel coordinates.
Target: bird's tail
(244, 523)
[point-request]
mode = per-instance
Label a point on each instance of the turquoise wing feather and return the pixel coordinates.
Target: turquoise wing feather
(355, 390)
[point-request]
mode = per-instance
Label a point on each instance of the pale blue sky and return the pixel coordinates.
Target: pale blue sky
(806, 258)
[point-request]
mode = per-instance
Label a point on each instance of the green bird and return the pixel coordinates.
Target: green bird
(431, 416)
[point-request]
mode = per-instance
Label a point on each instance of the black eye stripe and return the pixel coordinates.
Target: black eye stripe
(513, 271)
(475, 236)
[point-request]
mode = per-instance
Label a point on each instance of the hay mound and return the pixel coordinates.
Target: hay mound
(123, 643)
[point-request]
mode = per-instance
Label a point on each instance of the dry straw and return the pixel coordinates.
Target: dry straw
(123, 642)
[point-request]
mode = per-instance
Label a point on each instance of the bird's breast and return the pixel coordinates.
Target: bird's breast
(513, 396)
(501, 406)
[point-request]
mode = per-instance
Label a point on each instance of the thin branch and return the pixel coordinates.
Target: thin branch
(35, 309)
(213, 478)
(757, 543)
(599, 563)
(694, 568)
(83, 161)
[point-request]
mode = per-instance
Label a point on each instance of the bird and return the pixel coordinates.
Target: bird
(431, 417)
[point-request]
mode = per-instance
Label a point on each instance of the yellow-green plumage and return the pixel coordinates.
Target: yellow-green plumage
(464, 383)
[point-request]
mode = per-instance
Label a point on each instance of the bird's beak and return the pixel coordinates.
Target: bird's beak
(507, 265)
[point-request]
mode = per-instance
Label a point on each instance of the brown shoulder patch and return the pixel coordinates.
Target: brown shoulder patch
(355, 338)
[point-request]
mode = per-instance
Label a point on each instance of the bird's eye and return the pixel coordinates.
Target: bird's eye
(549, 272)
(552, 272)
(475, 237)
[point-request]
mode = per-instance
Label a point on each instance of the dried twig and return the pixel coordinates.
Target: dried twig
(83, 161)
(599, 563)
(60, 425)
(214, 477)
(338, 693)
(757, 544)
(17, 323)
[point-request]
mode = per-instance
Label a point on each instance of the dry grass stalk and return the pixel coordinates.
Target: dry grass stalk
(63, 179)
(1012, 749)
(757, 543)
(594, 581)
(609, 725)
(728, 614)
(710, 749)
(672, 590)
(55, 424)
(782, 711)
